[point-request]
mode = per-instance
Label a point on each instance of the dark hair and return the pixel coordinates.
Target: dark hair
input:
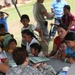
(12, 40)
(1, 13)
(70, 36)
(2, 26)
(64, 41)
(36, 46)
(28, 32)
(19, 55)
(24, 16)
(67, 7)
(63, 25)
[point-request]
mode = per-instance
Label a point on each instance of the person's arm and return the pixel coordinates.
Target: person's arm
(71, 24)
(47, 14)
(4, 68)
(71, 60)
(7, 15)
(53, 52)
(41, 34)
(64, 56)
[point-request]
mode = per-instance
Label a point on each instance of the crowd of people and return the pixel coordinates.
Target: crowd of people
(63, 43)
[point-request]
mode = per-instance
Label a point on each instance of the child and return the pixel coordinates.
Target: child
(3, 19)
(29, 38)
(69, 55)
(36, 49)
(12, 43)
(62, 48)
(4, 36)
(68, 18)
(25, 21)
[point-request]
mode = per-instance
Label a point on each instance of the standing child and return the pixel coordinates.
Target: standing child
(62, 48)
(3, 19)
(36, 49)
(69, 55)
(25, 21)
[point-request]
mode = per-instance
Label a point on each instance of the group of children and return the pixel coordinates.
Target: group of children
(66, 50)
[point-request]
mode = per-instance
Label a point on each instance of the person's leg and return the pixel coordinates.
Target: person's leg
(53, 31)
(44, 29)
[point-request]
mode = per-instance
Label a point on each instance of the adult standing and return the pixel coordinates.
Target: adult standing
(39, 12)
(57, 8)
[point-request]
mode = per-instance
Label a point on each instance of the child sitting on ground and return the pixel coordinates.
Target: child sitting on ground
(36, 49)
(62, 48)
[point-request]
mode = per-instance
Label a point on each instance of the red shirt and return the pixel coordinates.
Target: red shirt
(68, 19)
(57, 41)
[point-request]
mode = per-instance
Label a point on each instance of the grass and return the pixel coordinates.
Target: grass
(14, 20)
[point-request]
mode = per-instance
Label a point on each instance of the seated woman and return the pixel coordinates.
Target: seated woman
(36, 49)
(29, 38)
(20, 56)
(69, 54)
(62, 31)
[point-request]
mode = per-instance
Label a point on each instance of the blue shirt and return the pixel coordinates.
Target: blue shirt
(4, 22)
(58, 7)
(69, 52)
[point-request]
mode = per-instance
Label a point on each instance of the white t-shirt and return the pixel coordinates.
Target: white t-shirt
(28, 45)
(30, 27)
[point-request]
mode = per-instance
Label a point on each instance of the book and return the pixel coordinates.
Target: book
(12, 63)
(38, 59)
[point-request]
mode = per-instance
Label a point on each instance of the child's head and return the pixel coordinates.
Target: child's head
(20, 56)
(1, 14)
(70, 39)
(63, 45)
(67, 9)
(12, 43)
(35, 49)
(2, 29)
(25, 20)
(27, 35)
